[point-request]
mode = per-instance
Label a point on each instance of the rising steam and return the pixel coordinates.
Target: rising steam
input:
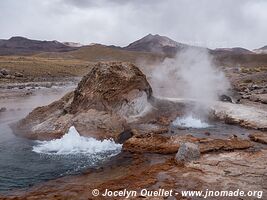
(190, 75)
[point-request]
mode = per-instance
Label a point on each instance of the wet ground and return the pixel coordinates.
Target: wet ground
(20, 167)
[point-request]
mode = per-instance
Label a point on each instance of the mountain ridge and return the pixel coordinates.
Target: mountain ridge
(150, 43)
(18, 45)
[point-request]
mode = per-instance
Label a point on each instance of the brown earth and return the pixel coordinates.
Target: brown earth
(102, 53)
(36, 69)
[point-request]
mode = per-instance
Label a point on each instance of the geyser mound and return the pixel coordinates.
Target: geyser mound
(106, 99)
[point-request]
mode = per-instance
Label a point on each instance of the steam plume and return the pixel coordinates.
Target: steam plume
(190, 75)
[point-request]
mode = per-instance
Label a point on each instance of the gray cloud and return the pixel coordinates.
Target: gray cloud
(212, 23)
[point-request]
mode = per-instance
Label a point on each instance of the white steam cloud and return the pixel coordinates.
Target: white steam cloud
(190, 75)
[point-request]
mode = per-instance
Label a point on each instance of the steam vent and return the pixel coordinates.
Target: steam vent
(109, 96)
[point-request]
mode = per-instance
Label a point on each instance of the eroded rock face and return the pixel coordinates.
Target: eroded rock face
(106, 99)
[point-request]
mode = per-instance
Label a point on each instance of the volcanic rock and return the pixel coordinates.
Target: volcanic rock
(225, 98)
(18, 74)
(211, 145)
(243, 115)
(154, 143)
(110, 87)
(5, 72)
(106, 99)
(187, 152)
(125, 135)
(259, 137)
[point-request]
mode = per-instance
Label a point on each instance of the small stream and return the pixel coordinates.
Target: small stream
(20, 166)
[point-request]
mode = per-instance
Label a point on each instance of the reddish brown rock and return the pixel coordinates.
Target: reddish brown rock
(108, 86)
(151, 143)
(259, 137)
(209, 145)
(109, 96)
(154, 143)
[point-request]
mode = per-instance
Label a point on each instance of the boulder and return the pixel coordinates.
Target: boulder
(152, 143)
(187, 152)
(18, 74)
(109, 97)
(5, 72)
(112, 87)
(225, 98)
(125, 135)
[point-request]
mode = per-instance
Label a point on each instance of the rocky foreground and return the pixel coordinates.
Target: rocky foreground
(114, 100)
(105, 99)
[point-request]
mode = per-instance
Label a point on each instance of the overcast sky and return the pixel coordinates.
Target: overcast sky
(211, 23)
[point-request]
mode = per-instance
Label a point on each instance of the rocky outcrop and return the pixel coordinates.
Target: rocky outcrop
(259, 137)
(246, 116)
(110, 87)
(7, 74)
(155, 143)
(106, 99)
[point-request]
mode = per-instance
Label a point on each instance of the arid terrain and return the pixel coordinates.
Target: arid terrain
(115, 97)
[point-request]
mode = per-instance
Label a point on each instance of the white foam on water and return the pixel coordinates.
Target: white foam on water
(73, 143)
(190, 122)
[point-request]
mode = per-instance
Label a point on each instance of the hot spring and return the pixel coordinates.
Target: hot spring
(24, 162)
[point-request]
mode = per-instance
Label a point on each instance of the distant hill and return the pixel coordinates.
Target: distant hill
(151, 48)
(166, 46)
(25, 46)
(262, 50)
(235, 50)
(98, 52)
(156, 44)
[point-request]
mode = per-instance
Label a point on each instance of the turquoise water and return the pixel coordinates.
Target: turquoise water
(20, 167)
